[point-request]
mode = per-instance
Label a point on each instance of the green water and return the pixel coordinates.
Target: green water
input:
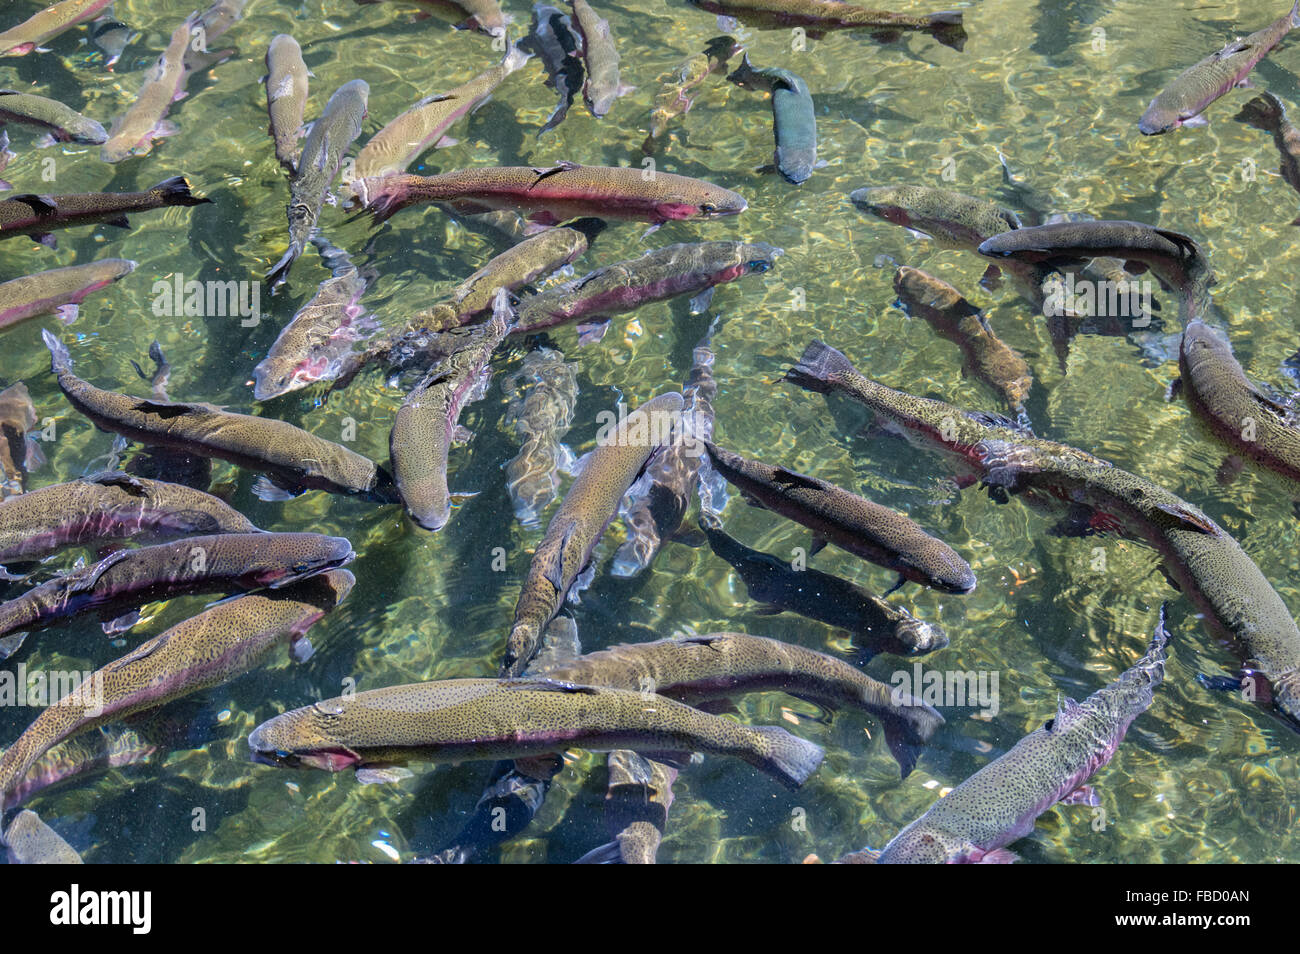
(1201, 778)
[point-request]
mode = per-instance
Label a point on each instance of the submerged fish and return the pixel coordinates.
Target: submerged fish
(286, 97)
(542, 396)
(322, 156)
(6, 156)
(292, 458)
(1266, 112)
(565, 551)
(224, 641)
(428, 422)
(484, 16)
(62, 123)
(853, 523)
(19, 453)
(1182, 101)
(637, 798)
(699, 670)
(554, 195)
(134, 132)
(58, 291)
(112, 36)
(551, 37)
(78, 758)
(39, 215)
(32, 842)
(950, 219)
(998, 805)
(878, 625)
(320, 340)
(600, 54)
(107, 507)
(47, 24)
(819, 16)
(403, 140)
(794, 120)
(681, 86)
(456, 720)
(220, 563)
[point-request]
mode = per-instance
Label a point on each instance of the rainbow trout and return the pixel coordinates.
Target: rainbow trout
(599, 53)
(1266, 112)
(542, 395)
(319, 342)
(39, 215)
(286, 97)
(293, 459)
(133, 133)
(60, 122)
(80, 758)
(32, 842)
(112, 36)
(877, 625)
(820, 16)
(699, 670)
(998, 805)
(551, 37)
(19, 453)
(556, 194)
(794, 120)
(952, 316)
(682, 86)
(6, 156)
(564, 554)
(404, 139)
(106, 507)
(1182, 101)
(212, 25)
(485, 16)
(458, 720)
(637, 798)
(867, 530)
(691, 268)
(656, 504)
(322, 156)
(428, 422)
(1257, 427)
(58, 291)
(47, 24)
(127, 579)
(225, 640)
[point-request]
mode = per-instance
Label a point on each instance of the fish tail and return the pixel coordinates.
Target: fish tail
(515, 59)
(789, 757)
(1295, 14)
(1263, 112)
(907, 729)
(60, 358)
(610, 853)
(280, 273)
(818, 362)
(947, 28)
(176, 191)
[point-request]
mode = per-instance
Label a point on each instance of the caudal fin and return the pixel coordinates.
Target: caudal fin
(278, 275)
(1263, 112)
(907, 730)
(790, 759)
(816, 366)
(947, 28)
(60, 359)
(609, 853)
(176, 191)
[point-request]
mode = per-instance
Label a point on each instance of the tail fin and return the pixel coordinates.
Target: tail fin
(514, 59)
(278, 275)
(818, 362)
(907, 729)
(790, 759)
(946, 27)
(610, 853)
(1295, 14)
(60, 359)
(176, 191)
(1263, 112)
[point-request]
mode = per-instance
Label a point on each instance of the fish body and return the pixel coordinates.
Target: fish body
(997, 805)
(286, 97)
(63, 123)
(428, 422)
(542, 393)
(820, 16)
(19, 453)
(951, 219)
(322, 155)
(127, 579)
(794, 118)
(32, 842)
(557, 194)
(552, 38)
(587, 510)
(865, 529)
(112, 36)
(1198, 86)
(878, 624)
(47, 24)
(682, 86)
(107, 507)
(465, 719)
(133, 133)
(485, 16)
(637, 798)
(294, 459)
(225, 640)
(58, 290)
(722, 666)
(600, 54)
(6, 156)
(211, 25)
(39, 215)
(78, 758)
(1266, 112)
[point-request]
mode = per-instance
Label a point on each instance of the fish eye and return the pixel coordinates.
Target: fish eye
(708, 209)
(758, 265)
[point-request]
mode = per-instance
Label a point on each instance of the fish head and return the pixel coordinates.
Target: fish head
(296, 556)
(884, 202)
(918, 637)
(759, 257)
(303, 737)
(88, 132)
(710, 202)
(1158, 119)
(275, 375)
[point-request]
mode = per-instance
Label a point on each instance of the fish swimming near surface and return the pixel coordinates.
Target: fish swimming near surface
(29, 841)
(79, 758)
(107, 507)
(112, 36)
(853, 523)
(600, 54)
(542, 393)
(818, 17)
(58, 290)
(552, 38)
(682, 86)
(637, 798)
(562, 560)
(998, 805)
(133, 133)
(292, 459)
(457, 720)
(61, 123)
(39, 215)
(485, 16)
(286, 97)
(1266, 112)
(701, 670)
(212, 24)
(225, 640)
(19, 452)
(1182, 101)
(876, 624)
(550, 196)
(794, 118)
(322, 156)
(47, 24)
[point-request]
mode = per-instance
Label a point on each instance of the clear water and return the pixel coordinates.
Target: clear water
(1200, 778)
